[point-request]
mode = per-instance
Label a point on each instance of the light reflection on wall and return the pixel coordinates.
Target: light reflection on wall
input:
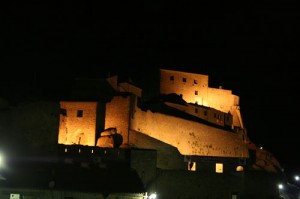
(77, 123)
(194, 89)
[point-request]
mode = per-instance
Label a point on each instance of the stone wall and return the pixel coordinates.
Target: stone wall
(77, 123)
(167, 156)
(185, 84)
(117, 115)
(194, 89)
(191, 138)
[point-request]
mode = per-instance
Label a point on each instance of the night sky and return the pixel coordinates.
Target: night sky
(251, 49)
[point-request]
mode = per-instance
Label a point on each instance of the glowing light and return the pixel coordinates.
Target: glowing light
(152, 196)
(280, 186)
(2, 164)
(219, 168)
(1, 160)
(239, 168)
(297, 178)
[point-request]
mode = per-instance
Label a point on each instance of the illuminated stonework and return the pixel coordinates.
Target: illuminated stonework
(215, 105)
(117, 115)
(189, 137)
(194, 89)
(77, 123)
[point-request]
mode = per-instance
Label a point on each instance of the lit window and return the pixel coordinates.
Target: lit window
(191, 166)
(239, 168)
(219, 168)
(79, 113)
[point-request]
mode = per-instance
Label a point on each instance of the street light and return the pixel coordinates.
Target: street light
(152, 196)
(1, 166)
(1, 161)
(280, 186)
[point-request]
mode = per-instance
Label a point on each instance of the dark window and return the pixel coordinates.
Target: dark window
(195, 82)
(79, 113)
(196, 92)
(205, 112)
(184, 79)
(196, 110)
(63, 112)
(172, 77)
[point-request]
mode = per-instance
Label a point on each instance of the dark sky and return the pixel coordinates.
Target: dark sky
(251, 49)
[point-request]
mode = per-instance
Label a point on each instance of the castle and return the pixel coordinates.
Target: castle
(187, 141)
(216, 130)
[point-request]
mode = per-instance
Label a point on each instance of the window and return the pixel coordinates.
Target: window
(63, 112)
(196, 92)
(205, 112)
(195, 81)
(196, 110)
(172, 78)
(184, 79)
(191, 166)
(79, 113)
(219, 168)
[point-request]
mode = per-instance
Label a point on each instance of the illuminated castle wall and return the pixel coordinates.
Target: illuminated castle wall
(78, 120)
(190, 138)
(77, 123)
(117, 115)
(208, 114)
(194, 89)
